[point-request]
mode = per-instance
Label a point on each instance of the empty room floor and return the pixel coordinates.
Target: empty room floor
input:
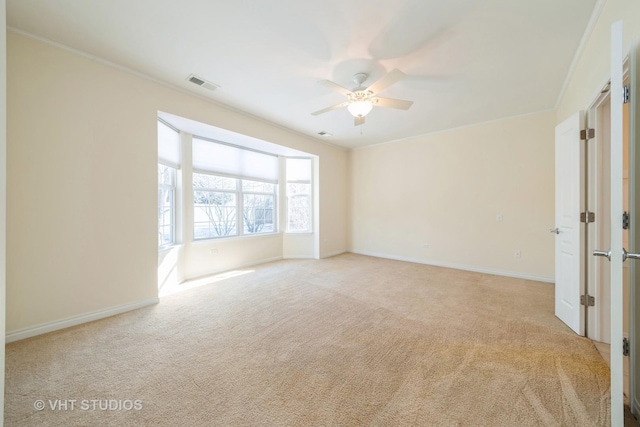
(349, 340)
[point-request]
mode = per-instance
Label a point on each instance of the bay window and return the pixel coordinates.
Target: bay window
(168, 165)
(234, 190)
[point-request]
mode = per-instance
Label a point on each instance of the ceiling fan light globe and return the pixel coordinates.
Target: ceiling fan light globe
(360, 108)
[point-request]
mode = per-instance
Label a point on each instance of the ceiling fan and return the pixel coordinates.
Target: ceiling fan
(362, 99)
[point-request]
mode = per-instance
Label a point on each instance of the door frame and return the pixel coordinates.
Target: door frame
(598, 200)
(599, 319)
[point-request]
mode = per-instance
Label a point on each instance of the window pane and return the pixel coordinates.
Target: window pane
(299, 207)
(165, 216)
(258, 214)
(166, 205)
(201, 180)
(165, 175)
(293, 189)
(214, 214)
(299, 215)
(257, 186)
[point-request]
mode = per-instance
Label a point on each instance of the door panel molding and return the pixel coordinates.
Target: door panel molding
(569, 241)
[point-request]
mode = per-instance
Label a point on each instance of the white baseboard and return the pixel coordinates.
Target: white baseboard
(44, 328)
(330, 254)
(459, 267)
(298, 257)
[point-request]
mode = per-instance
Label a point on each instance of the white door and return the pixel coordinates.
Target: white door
(616, 257)
(634, 230)
(569, 254)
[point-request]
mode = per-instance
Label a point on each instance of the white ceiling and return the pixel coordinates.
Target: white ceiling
(467, 61)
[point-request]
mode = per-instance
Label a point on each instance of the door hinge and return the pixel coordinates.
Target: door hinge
(625, 94)
(625, 346)
(586, 134)
(587, 300)
(587, 217)
(625, 220)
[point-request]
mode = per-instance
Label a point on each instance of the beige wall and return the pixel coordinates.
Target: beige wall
(447, 189)
(592, 68)
(298, 245)
(82, 184)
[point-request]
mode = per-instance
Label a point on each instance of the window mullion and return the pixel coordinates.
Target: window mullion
(166, 226)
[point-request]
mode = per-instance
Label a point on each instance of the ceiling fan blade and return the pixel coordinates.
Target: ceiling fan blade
(358, 121)
(400, 104)
(392, 77)
(335, 86)
(333, 107)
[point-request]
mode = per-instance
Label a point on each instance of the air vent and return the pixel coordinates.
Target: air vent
(194, 79)
(202, 82)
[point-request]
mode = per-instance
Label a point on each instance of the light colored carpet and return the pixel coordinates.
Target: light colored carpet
(346, 341)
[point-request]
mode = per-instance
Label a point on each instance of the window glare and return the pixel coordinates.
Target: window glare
(224, 209)
(299, 219)
(165, 175)
(299, 214)
(298, 188)
(214, 214)
(257, 186)
(236, 190)
(258, 214)
(201, 180)
(166, 205)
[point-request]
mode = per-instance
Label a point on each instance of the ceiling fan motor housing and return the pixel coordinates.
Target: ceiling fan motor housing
(359, 79)
(361, 99)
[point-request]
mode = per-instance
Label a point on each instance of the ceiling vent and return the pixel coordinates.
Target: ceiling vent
(202, 82)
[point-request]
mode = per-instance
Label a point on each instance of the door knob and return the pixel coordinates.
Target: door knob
(554, 230)
(606, 254)
(626, 255)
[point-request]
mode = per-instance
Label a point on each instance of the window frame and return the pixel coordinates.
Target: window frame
(308, 195)
(172, 187)
(239, 193)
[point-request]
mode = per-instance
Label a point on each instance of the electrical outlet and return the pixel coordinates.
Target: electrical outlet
(425, 245)
(213, 251)
(517, 254)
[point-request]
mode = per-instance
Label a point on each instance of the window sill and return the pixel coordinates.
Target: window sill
(231, 238)
(299, 233)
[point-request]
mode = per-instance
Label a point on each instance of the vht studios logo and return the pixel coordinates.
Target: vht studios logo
(88, 405)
